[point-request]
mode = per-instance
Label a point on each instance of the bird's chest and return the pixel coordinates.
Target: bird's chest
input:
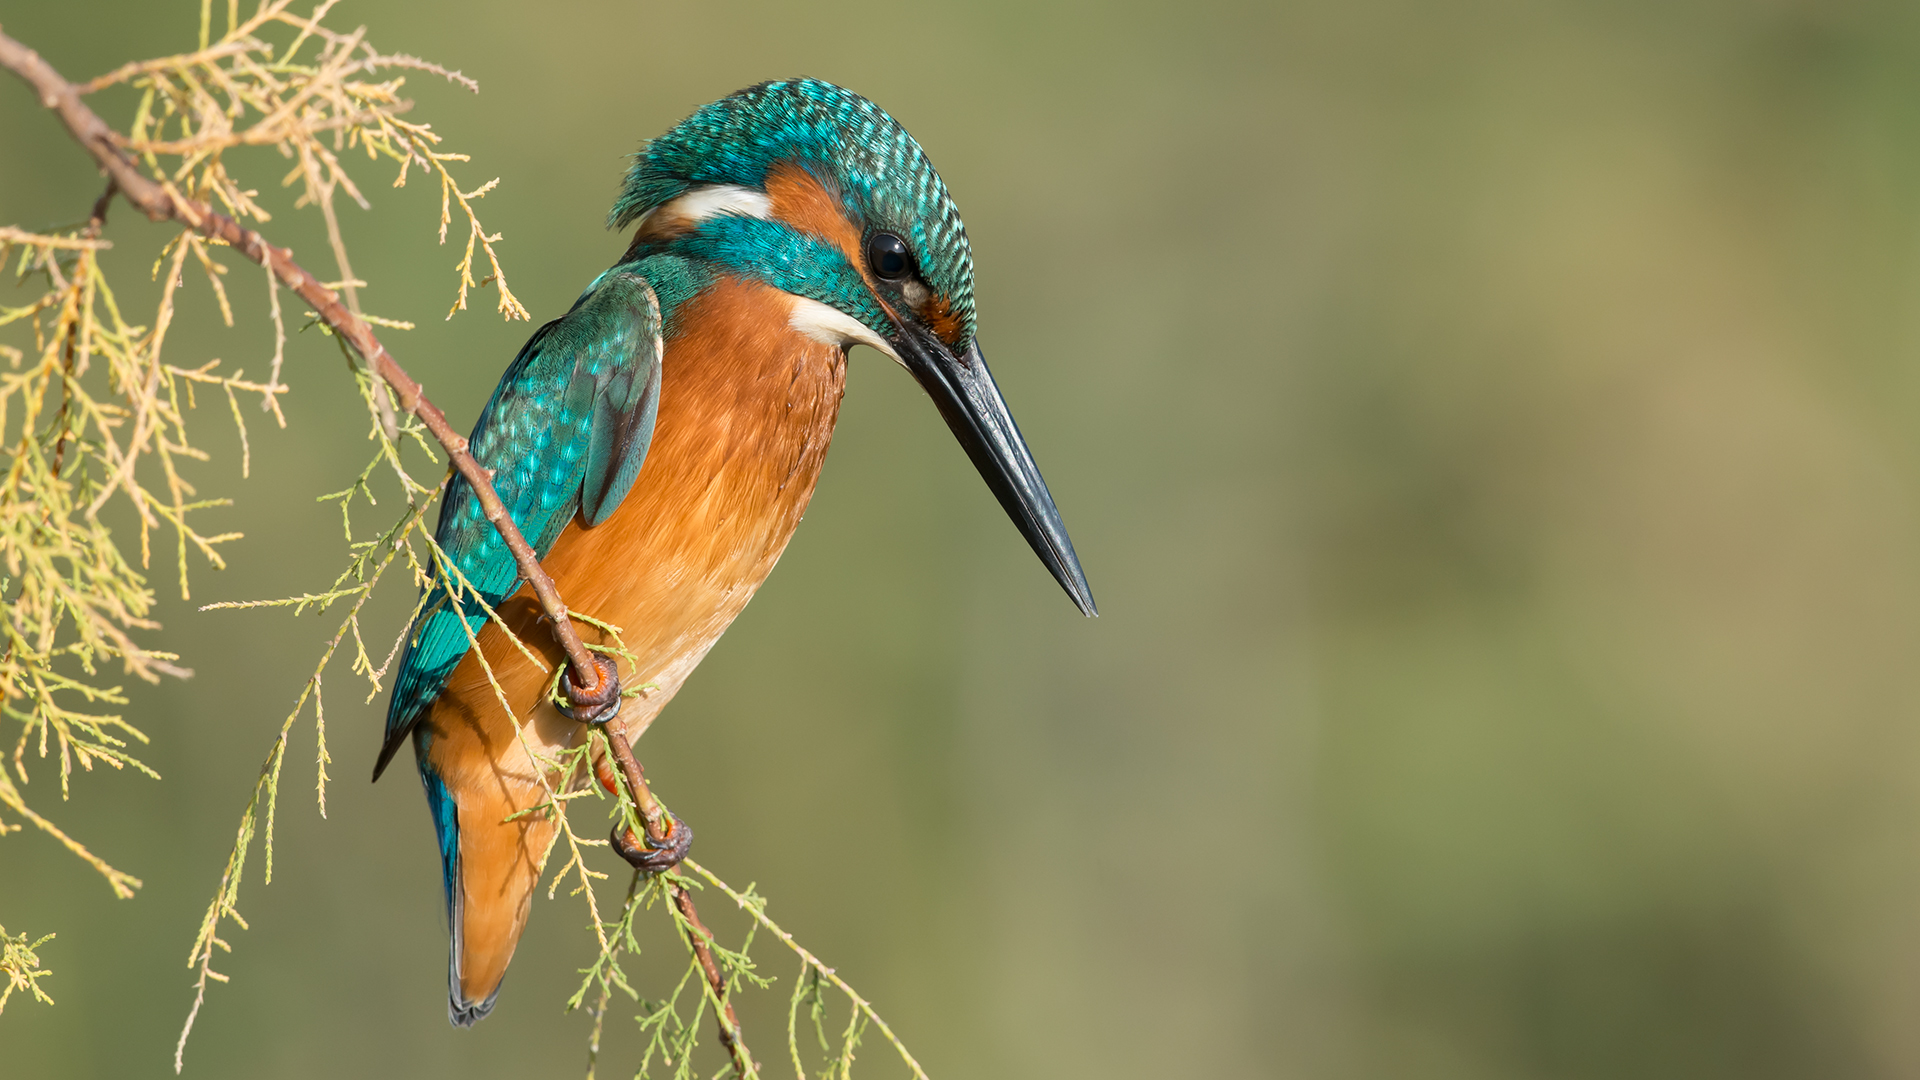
(747, 408)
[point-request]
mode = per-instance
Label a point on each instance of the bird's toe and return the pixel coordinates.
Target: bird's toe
(647, 856)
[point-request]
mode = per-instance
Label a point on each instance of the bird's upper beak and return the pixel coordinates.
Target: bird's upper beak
(964, 390)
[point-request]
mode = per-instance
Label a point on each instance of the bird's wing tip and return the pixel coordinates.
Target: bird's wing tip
(394, 741)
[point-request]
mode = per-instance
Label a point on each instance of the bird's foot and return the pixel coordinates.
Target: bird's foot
(644, 855)
(594, 705)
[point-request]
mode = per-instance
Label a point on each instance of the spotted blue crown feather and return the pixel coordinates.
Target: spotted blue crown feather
(850, 144)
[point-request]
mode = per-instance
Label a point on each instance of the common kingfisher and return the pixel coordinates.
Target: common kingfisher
(658, 444)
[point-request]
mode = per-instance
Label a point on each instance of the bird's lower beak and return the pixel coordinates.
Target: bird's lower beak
(964, 390)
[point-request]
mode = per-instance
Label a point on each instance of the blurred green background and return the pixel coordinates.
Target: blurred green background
(1490, 431)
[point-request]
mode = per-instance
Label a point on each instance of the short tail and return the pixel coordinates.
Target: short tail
(490, 864)
(446, 826)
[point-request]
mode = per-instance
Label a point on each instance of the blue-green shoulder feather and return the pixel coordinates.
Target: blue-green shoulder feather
(566, 432)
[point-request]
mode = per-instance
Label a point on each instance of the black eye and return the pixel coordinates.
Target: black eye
(887, 254)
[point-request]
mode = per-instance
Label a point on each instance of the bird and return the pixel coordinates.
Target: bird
(658, 444)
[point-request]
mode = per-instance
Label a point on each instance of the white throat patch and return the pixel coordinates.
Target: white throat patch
(832, 326)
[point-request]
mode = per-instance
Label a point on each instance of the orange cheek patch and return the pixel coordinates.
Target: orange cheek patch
(803, 202)
(939, 317)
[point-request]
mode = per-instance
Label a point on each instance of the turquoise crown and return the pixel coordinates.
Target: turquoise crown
(850, 144)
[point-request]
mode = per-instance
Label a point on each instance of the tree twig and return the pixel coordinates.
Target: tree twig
(153, 200)
(653, 818)
(701, 938)
(158, 203)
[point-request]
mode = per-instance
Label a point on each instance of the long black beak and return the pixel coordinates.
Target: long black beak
(964, 390)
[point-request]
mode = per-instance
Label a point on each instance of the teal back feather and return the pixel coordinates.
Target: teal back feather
(568, 426)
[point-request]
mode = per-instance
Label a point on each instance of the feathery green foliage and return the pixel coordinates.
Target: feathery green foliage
(20, 963)
(92, 411)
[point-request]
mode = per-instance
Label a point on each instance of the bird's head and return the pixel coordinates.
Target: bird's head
(818, 192)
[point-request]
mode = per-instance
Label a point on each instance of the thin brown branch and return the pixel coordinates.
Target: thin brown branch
(12, 235)
(701, 938)
(97, 220)
(653, 817)
(166, 63)
(161, 201)
(160, 204)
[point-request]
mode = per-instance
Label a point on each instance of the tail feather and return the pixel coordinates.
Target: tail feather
(489, 860)
(446, 826)
(461, 1012)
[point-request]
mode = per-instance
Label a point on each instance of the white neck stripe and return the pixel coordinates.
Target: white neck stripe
(706, 202)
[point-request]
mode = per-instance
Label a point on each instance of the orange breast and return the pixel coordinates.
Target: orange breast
(747, 407)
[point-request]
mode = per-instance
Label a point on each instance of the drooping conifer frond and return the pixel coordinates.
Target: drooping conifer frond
(95, 411)
(20, 963)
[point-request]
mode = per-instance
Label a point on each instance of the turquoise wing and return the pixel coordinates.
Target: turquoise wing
(566, 432)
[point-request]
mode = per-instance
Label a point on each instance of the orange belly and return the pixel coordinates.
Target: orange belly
(747, 407)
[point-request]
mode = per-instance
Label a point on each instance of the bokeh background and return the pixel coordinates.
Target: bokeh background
(1489, 428)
